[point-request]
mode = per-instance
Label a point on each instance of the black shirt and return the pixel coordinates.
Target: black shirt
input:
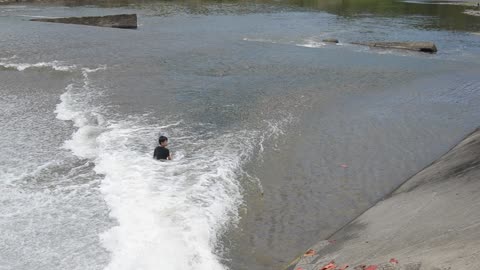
(161, 153)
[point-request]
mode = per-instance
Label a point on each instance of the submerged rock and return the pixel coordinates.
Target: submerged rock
(412, 46)
(126, 21)
(330, 40)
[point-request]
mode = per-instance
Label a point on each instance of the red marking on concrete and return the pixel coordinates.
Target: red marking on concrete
(330, 266)
(310, 252)
(394, 261)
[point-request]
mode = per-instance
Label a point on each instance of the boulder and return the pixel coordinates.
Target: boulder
(127, 21)
(330, 40)
(412, 46)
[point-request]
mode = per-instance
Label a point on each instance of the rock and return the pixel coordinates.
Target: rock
(330, 40)
(127, 21)
(412, 46)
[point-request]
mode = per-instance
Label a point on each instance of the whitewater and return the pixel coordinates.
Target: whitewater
(164, 214)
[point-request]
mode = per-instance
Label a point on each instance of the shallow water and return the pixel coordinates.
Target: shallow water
(253, 102)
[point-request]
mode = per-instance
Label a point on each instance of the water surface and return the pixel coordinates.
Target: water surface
(279, 139)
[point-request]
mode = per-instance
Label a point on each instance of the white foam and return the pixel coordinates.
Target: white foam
(170, 214)
(308, 43)
(55, 65)
(260, 40)
(311, 44)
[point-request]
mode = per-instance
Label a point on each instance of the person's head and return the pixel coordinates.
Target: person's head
(163, 141)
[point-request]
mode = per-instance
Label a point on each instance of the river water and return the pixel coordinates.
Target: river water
(278, 139)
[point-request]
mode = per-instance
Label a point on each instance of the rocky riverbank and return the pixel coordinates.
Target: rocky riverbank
(431, 222)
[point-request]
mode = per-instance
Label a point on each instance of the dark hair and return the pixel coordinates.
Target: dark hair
(162, 139)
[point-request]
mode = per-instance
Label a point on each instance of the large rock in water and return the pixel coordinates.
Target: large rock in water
(330, 40)
(127, 21)
(412, 46)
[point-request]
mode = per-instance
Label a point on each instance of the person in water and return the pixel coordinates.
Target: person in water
(161, 151)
